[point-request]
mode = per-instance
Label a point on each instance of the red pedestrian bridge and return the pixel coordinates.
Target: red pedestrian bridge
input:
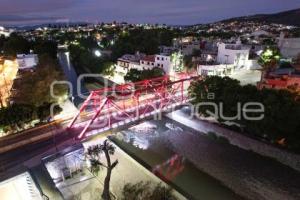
(112, 107)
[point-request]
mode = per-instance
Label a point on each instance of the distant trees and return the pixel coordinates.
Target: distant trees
(135, 75)
(16, 44)
(83, 58)
(42, 47)
(146, 191)
(94, 156)
(143, 40)
(281, 108)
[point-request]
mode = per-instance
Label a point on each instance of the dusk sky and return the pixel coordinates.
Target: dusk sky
(136, 11)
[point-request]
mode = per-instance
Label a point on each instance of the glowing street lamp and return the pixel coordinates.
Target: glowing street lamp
(97, 53)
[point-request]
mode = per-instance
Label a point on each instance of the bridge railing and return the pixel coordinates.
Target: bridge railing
(132, 101)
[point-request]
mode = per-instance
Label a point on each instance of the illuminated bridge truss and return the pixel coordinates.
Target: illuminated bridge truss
(108, 108)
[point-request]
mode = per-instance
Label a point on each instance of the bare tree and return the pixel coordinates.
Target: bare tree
(94, 155)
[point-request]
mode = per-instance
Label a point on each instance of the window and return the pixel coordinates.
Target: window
(157, 58)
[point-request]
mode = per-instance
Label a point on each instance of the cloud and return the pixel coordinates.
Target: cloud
(19, 7)
(17, 18)
(153, 11)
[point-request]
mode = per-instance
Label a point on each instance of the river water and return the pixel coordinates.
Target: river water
(148, 143)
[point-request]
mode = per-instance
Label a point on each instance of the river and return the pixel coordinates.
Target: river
(148, 143)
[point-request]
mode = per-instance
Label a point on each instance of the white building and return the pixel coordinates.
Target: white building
(215, 70)
(143, 62)
(235, 54)
(5, 32)
(148, 62)
(164, 62)
(128, 61)
(289, 47)
(27, 61)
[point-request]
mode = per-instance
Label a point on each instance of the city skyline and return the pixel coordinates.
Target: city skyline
(177, 12)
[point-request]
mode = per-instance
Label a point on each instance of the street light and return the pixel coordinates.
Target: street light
(97, 53)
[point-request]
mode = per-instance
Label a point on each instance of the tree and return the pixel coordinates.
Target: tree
(188, 62)
(281, 108)
(269, 59)
(42, 47)
(94, 155)
(146, 191)
(44, 111)
(16, 45)
(2, 41)
(17, 115)
(135, 75)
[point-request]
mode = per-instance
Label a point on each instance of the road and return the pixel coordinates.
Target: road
(12, 162)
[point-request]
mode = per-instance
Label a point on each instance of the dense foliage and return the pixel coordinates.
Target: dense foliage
(269, 58)
(17, 115)
(281, 108)
(143, 40)
(135, 75)
(146, 191)
(16, 44)
(84, 59)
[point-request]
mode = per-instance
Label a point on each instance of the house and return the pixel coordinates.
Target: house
(128, 61)
(159, 60)
(236, 54)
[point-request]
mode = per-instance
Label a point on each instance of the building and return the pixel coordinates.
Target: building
(283, 82)
(289, 47)
(282, 78)
(215, 70)
(169, 63)
(5, 32)
(236, 54)
(128, 61)
(27, 62)
(148, 62)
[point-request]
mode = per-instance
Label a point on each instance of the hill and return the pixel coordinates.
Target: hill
(291, 17)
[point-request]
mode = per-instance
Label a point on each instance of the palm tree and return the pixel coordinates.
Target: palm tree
(94, 155)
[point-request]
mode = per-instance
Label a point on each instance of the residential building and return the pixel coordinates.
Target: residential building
(128, 61)
(236, 54)
(148, 62)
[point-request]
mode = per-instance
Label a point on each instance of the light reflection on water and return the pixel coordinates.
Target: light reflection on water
(149, 143)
